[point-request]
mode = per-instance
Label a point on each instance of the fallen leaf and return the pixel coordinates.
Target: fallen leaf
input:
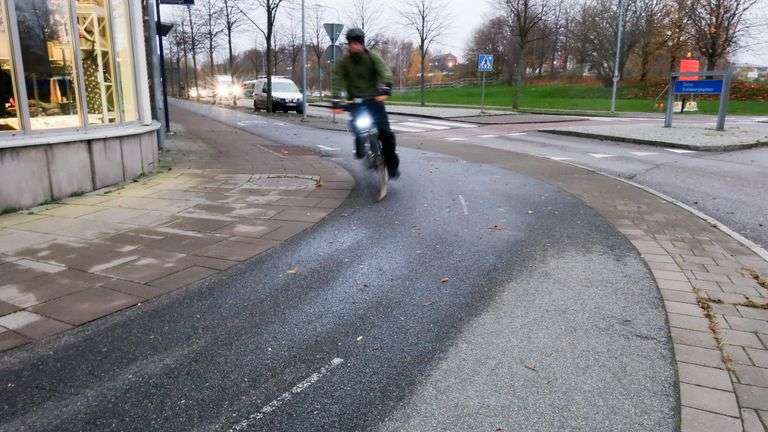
(496, 227)
(427, 303)
(359, 338)
(444, 280)
(293, 270)
(531, 367)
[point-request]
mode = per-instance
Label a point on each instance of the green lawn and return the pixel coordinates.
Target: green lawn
(562, 97)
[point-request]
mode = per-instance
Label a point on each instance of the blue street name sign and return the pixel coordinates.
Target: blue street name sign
(699, 87)
(485, 63)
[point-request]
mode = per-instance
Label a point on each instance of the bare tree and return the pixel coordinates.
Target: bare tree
(597, 41)
(366, 15)
(271, 9)
(193, 37)
(652, 13)
(211, 28)
(677, 37)
(524, 18)
(232, 22)
(318, 40)
(428, 20)
(717, 27)
(492, 38)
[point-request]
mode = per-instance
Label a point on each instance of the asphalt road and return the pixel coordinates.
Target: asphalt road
(731, 187)
(471, 299)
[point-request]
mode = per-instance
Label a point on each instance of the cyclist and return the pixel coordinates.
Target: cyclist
(363, 74)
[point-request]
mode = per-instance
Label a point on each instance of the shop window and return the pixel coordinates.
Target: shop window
(96, 52)
(121, 22)
(9, 113)
(47, 53)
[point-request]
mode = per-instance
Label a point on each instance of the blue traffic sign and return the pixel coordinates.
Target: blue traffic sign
(699, 87)
(485, 63)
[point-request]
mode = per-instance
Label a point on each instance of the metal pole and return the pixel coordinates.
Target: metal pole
(303, 62)
(482, 96)
(333, 63)
(162, 69)
(724, 94)
(151, 42)
(618, 57)
(670, 102)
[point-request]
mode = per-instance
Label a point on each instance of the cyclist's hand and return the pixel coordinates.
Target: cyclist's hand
(381, 98)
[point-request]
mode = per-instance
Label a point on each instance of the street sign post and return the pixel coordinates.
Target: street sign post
(681, 83)
(333, 52)
(484, 64)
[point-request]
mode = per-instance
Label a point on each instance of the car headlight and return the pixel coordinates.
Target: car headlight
(363, 122)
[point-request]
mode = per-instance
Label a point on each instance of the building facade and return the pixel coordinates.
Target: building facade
(74, 101)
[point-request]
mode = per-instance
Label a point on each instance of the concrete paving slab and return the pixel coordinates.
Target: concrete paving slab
(236, 250)
(84, 306)
(32, 325)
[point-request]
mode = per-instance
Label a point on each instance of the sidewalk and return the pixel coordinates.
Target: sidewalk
(228, 197)
(701, 137)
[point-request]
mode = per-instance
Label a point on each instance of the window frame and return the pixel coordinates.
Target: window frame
(81, 94)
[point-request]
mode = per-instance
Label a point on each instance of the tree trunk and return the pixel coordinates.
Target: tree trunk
(519, 71)
(423, 73)
(645, 60)
(194, 52)
(269, 64)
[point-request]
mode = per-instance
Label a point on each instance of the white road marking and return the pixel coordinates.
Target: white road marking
(644, 153)
(247, 122)
(285, 397)
(680, 151)
(463, 205)
(456, 139)
(405, 129)
(424, 125)
(451, 124)
(488, 136)
(322, 147)
(517, 134)
(559, 158)
(600, 155)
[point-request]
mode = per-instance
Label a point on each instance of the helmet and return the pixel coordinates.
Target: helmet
(356, 35)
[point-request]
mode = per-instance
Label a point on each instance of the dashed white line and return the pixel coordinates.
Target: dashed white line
(450, 124)
(488, 136)
(456, 139)
(424, 125)
(600, 155)
(559, 158)
(285, 397)
(463, 205)
(405, 129)
(322, 147)
(680, 151)
(643, 153)
(516, 134)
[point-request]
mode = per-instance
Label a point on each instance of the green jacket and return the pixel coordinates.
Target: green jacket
(361, 74)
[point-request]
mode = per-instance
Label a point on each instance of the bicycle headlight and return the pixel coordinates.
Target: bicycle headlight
(363, 122)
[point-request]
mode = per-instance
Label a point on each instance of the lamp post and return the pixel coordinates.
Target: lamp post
(618, 57)
(303, 63)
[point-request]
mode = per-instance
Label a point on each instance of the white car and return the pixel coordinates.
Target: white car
(286, 96)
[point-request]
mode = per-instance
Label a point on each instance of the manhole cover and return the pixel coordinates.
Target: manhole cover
(286, 182)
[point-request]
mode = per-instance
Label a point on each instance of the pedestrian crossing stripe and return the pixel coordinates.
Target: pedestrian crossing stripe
(405, 129)
(450, 124)
(423, 125)
(600, 155)
(680, 151)
(643, 153)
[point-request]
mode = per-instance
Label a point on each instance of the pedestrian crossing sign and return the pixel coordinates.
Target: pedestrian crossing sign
(485, 63)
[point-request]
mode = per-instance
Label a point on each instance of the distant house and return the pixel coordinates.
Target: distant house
(444, 62)
(751, 72)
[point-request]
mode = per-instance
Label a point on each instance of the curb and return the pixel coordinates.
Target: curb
(720, 148)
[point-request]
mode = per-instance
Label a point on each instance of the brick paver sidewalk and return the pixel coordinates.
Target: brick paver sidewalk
(229, 197)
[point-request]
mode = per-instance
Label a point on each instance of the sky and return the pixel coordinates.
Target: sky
(467, 15)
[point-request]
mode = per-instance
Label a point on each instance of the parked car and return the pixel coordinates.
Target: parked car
(286, 96)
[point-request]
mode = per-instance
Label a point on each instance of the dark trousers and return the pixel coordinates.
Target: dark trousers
(388, 142)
